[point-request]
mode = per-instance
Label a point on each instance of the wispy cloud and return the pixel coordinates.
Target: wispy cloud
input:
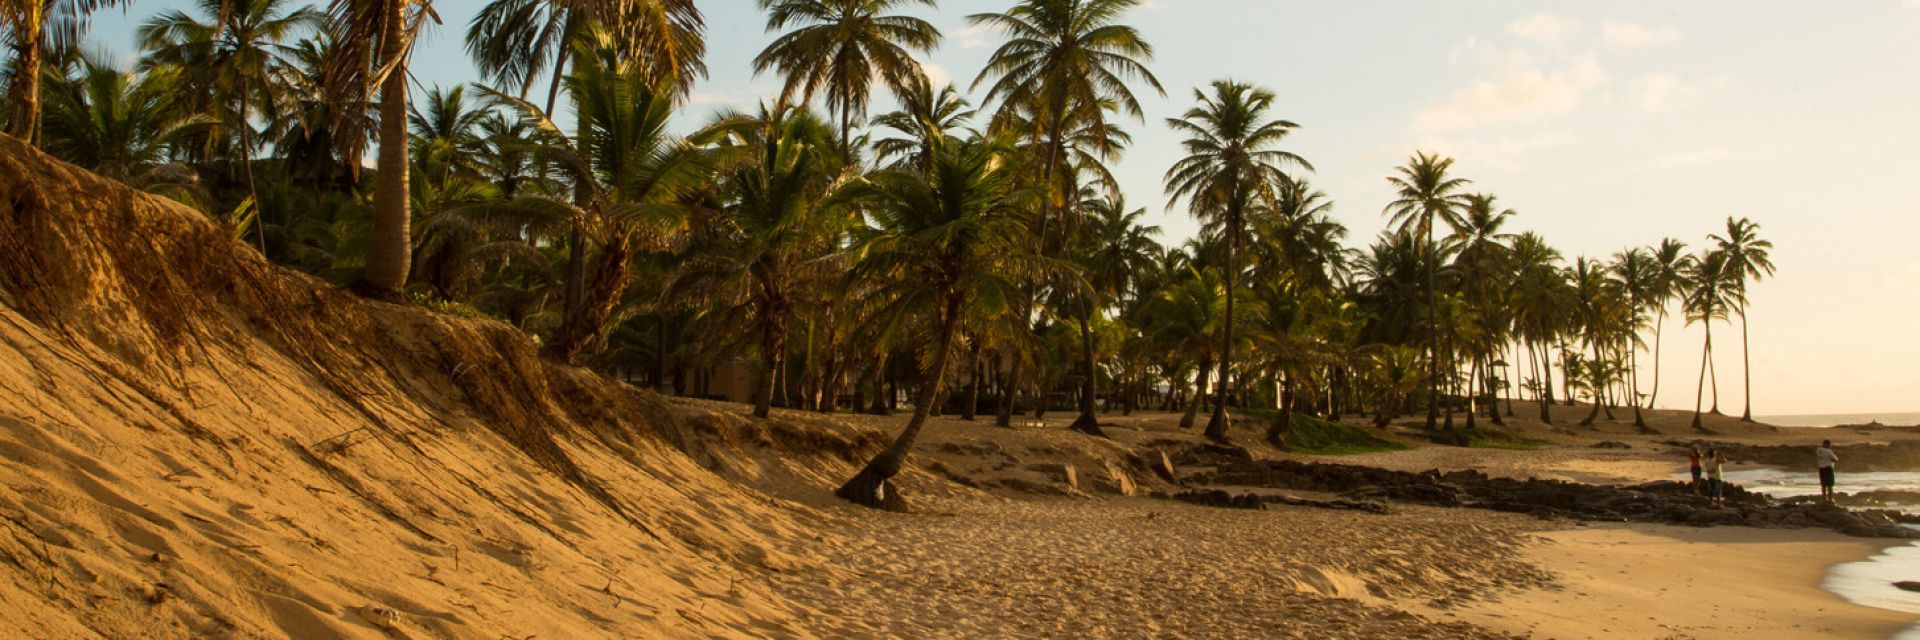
(1506, 153)
(1521, 93)
(1690, 158)
(1544, 27)
(972, 36)
(1629, 34)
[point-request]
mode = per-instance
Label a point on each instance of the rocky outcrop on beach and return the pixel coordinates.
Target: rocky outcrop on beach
(1655, 502)
(1898, 455)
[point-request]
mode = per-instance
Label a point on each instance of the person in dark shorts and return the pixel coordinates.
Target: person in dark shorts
(1825, 459)
(1693, 458)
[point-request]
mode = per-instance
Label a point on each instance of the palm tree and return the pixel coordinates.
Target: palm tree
(1231, 162)
(1426, 196)
(1540, 308)
(114, 122)
(1481, 255)
(232, 61)
(1637, 272)
(1113, 246)
(372, 41)
(766, 231)
(1666, 282)
(942, 243)
(633, 178)
(1596, 305)
(1707, 300)
(839, 47)
(1747, 259)
(36, 32)
(925, 120)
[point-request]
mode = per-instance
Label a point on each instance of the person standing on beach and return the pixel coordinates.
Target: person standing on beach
(1716, 478)
(1693, 458)
(1825, 458)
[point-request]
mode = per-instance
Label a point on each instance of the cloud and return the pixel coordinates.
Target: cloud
(1521, 93)
(972, 36)
(937, 75)
(1663, 92)
(1628, 34)
(1694, 157)
(1505, 154)
(1544, 27)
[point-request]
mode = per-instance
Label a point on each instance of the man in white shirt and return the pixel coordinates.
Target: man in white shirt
(1825, 458)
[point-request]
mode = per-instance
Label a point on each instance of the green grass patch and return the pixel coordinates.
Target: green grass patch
(1314, 436)
(1499, 439)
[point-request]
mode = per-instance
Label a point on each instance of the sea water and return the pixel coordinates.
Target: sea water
(1838, 419)
(1868, 582)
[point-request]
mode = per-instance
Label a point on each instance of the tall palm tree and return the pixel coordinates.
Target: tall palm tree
(1707, 300)
(1666, 282)
(1426, 196)
(766, 230)
(942, 242)
(1540, 308)
(1065, 65)
(1596, 302)
(1113, 246)
(373, 40)
(232, 58)
(36, 32)
(1637, 273)
(838, 48)
(1481, 253)
(1747, 259)
(1232, 162)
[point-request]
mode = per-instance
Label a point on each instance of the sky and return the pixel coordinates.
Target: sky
(1605, 125)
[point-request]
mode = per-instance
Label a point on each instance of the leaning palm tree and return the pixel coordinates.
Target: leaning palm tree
(36, 32)
(944, 245)
(1113, 245)
(838, 48)
(1666, 282)
(373, 40)
(1747, 259)
(1637, 272)
(1232, 161)
(1426, 196)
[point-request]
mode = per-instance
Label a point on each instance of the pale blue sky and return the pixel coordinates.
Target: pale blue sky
(1605, 124)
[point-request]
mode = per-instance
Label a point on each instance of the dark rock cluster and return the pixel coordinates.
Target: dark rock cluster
(1659, 502)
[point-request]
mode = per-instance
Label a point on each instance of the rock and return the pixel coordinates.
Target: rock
(1610, 444)
(1907, 585)
(1122, 481)
(1164, 468)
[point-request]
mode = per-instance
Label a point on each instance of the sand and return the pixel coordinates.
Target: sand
(1649, 581)
(195, 444)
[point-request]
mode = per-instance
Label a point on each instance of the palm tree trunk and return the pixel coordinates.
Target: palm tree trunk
(1282, 425)
(1544, 360)
(1217, 425)
(1706, 358)
(978, 378)
(1004, 416)
(246, 163)
(390, 243)
(1087, 423)
(1473, 397)
(1433, 330)
(587, 326)
(1746, 370)
(1633, 355)
(872, 487)
(24, 122)
(1658, 326)
(1198, 397)
(773, 339)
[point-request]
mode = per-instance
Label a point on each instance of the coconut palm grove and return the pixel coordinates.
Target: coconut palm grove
(967, 253)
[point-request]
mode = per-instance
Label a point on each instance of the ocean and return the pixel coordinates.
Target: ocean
(1892, 419)
(1868, 582)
